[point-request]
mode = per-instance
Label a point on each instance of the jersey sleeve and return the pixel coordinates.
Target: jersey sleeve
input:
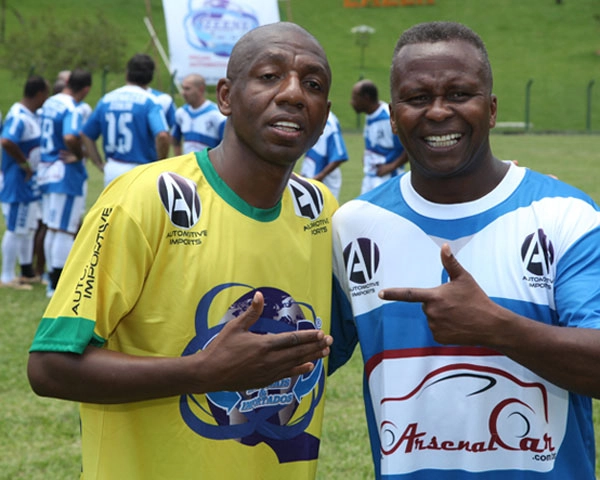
(176, 130)
(97, 287)
(343, 327)
(157, 120)
(577, 290)
(13, 129)
(92, 128)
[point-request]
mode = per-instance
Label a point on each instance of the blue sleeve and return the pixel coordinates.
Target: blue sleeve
(170, 115)
(336, 148)
(176, 131)
(343, 329)
(13, 129)
(577, 285)
(92, 128)
(398, 150)
(157, 120)
(222, 129)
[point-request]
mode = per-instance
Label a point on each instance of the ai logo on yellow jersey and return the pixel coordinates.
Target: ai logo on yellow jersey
(180, 199)
(308, 199)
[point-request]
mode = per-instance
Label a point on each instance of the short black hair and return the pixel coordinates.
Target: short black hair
(140, 69)
(368, 90)
(433, 32)
(79, 79)
(34, 85)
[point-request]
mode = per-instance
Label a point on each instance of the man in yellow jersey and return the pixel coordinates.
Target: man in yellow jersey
(192, 320)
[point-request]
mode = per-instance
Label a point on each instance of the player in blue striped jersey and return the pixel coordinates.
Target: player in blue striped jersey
(20, 140)
(62, 174)
(485, 364)
(384, 154)
(131, 121)
(322, 161)
(198, 123)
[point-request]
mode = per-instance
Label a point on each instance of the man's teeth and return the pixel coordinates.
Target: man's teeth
(443, 140)
(288, 126)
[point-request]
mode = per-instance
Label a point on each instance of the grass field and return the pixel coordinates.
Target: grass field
(39, 438)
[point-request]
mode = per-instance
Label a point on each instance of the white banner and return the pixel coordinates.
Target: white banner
(202, 33)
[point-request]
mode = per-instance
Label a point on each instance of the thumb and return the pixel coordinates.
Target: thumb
(450, 263)
(252, 314)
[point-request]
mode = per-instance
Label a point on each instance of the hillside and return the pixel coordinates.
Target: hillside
(553, 46)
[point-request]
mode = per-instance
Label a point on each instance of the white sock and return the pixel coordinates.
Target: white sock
(26, 248)
(10, 248)
(61, 246)
(48, 241)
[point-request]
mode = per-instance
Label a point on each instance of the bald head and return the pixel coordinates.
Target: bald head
(265, 36)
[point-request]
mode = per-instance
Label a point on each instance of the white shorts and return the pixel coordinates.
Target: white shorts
(114, 168)
(62, 212)
(20, 218)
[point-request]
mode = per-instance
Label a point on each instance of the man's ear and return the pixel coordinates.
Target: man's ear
(392, 119)
(493, 110)
(224, 96)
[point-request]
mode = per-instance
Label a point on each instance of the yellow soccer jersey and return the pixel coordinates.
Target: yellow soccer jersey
(160, 277)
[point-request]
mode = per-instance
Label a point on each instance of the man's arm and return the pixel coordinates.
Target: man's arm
(14, 151)
(177, 150)
(330, 167)
(73, 143)
(92, 151)
(163, 143)
(386, 168)
(236, 359)
(459, 312)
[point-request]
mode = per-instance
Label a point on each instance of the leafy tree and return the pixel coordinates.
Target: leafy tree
(47, 47)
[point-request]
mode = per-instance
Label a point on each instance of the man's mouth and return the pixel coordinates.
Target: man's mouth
(447, 140)
(287, 126)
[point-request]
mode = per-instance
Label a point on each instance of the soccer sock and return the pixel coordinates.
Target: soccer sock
(10, 248)
(26, 248)
(61, 246)
(27, 270)
(54, 275)
(48, 241)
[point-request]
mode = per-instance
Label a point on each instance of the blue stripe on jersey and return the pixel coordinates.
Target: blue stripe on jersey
(533, 187)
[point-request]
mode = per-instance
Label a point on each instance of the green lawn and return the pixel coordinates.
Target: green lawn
(39, 438)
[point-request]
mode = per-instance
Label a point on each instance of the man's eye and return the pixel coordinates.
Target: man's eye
(418, 99)
(313, 85)
(460, 96)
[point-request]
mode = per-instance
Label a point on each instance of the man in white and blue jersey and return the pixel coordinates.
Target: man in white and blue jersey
(20, 140)
(131, 121)
(472, 287)
(62, 174)
(321, 162)
(384, 154)
(198, 123)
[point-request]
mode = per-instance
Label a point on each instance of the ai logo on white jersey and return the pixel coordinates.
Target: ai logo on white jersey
(308, 199)
(180, 199)
(537, 253)
(361, 258)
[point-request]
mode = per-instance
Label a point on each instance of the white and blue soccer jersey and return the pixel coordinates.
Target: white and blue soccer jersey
(456, 412)
(128, 118)
(330, 147)
(60, 116)
(166, 102)
(200, 127)
(22, 128)
(381, 145)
